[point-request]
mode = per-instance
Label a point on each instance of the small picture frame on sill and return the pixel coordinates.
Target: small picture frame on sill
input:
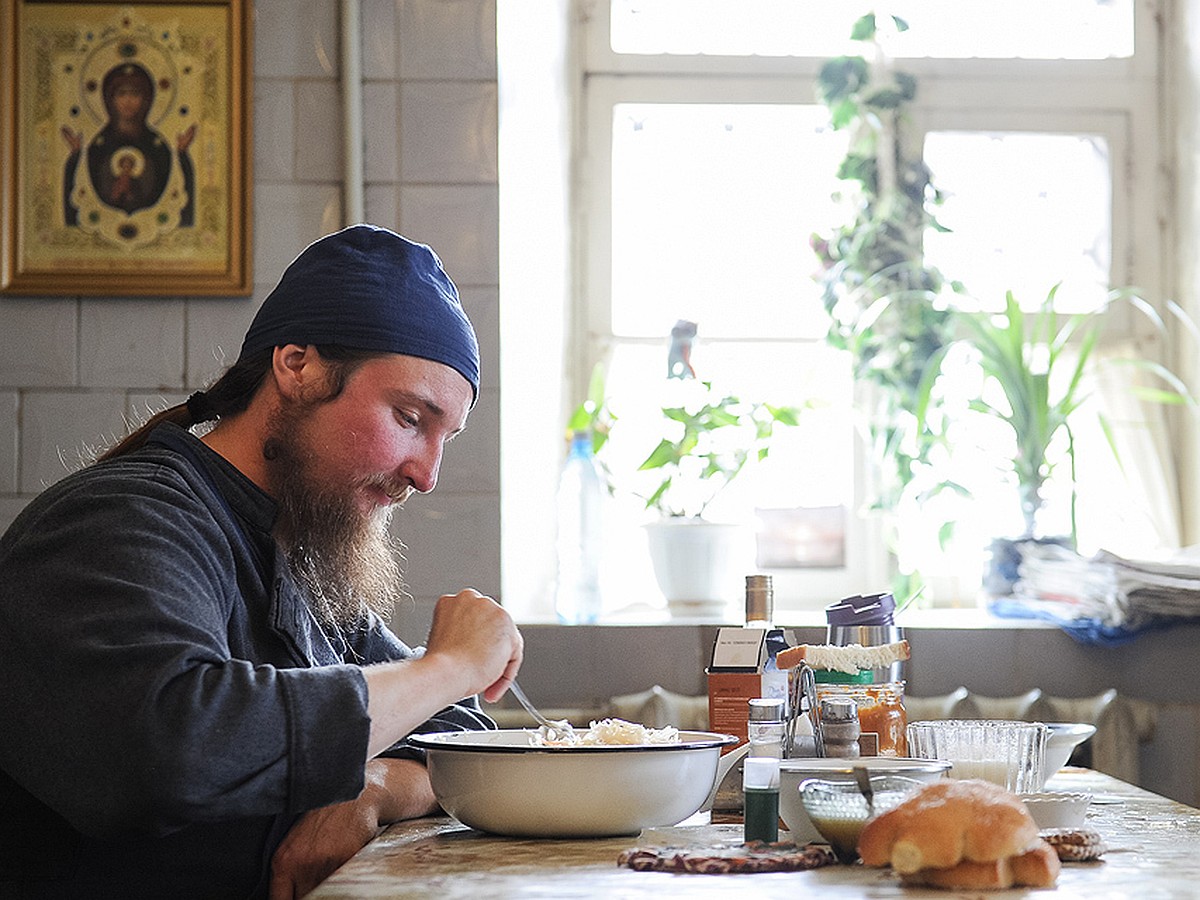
(125, 148)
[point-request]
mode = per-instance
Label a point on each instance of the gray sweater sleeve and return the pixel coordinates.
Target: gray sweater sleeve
(126, 706)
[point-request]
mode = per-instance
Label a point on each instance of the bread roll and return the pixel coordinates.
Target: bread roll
(946, 823)
(1038, 867)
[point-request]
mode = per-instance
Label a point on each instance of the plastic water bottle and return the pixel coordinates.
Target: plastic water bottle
(580, 495)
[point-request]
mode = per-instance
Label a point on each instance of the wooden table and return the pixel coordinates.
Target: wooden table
(1154, 852)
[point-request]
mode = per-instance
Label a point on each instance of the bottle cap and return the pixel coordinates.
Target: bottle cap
(869, 609)
(766, 709)
(760, 598)
(761, 772)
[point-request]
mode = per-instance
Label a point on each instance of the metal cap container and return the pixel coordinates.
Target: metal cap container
(760, 598)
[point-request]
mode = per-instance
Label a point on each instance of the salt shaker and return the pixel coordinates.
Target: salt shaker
(765, 727)
(839, 727)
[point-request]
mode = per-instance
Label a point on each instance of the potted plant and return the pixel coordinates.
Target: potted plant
(712, 439)
(1038, 360)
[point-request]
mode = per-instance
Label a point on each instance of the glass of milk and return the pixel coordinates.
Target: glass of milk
(1008, 753)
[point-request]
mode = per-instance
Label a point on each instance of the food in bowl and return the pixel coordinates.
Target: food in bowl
(605, 731)
(961, 834)
(500, 782)
(793, 772)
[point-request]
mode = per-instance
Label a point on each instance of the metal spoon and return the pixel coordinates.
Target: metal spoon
(552, 731)
(863, 778)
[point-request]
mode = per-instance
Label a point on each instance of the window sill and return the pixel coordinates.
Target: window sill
(973, 618)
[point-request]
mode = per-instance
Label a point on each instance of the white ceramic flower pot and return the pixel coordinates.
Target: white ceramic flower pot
(700, 565)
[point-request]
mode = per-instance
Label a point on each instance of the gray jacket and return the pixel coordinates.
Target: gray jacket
(169, 704)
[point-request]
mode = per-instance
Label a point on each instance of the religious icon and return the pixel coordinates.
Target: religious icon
(129, 163)
(130, 123)
(131, 184)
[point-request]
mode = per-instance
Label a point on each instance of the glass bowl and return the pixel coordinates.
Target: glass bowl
(1009, 753)
(794, 772)
(839, 809)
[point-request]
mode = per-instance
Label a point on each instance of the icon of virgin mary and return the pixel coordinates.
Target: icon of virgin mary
(128, 161)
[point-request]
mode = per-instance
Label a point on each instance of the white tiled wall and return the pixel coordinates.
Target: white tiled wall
(73, 369)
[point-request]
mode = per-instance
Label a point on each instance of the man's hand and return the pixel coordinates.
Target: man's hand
(482, 639)
(323, 839)
(474, 647)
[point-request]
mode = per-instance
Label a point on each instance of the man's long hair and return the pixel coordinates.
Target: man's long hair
(232, 392)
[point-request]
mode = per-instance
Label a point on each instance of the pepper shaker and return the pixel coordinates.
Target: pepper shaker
(839, 727)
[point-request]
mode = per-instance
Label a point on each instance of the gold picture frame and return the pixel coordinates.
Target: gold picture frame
(125, 164)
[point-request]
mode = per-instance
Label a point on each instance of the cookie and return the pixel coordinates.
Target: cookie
(1074, 844)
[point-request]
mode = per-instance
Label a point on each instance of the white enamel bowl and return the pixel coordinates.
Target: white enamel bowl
(794, 771)
(1062, 740)
(497, 781)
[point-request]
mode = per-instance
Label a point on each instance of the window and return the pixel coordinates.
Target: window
(705, 164)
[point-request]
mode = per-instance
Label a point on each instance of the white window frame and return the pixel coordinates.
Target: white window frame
(1119, 99)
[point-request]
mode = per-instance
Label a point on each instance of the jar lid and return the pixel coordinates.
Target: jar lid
(838, 709)
(766, 709)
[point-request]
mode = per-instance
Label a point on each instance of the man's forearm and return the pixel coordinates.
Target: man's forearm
(399, 788)
(402, 695)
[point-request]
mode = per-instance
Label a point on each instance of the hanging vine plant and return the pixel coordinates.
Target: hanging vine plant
(881, 296)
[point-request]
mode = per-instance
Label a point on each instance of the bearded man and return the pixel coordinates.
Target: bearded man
(201, 698)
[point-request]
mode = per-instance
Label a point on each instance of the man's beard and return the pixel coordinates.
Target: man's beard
(347, 564)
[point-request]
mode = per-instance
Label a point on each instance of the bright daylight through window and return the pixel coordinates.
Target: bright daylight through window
(709, 167)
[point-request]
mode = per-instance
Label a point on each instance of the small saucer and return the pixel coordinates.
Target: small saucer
(1057, 809)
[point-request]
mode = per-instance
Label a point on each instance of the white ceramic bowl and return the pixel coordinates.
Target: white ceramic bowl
(497, 781)
(1062, 740)
(794, 771)
(1057, 809)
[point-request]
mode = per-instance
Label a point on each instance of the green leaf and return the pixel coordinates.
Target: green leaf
(945, 534)
(1156, 395)
(840, 78)
(933, 368)
(664, 454)
(907, 86)
(863, 29)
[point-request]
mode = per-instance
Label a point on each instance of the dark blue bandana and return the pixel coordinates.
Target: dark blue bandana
(368, 288)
